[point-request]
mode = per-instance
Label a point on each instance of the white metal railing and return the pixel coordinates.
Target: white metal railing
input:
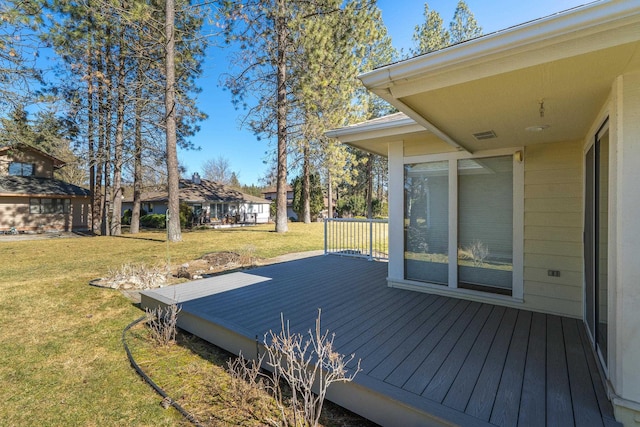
(362, 238)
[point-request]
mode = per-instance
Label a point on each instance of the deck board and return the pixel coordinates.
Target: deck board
(428, 368)
(533, 402)
(559, 409)
(585, 404)
(451, 366)
(426, 359)
(484, 394)
(506, 408)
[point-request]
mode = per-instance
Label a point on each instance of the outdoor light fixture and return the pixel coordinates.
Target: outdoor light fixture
(518, 156)
(537, 128)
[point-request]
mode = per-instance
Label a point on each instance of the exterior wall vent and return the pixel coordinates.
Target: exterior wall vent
(480, 136)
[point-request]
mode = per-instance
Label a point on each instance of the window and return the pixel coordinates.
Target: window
(49, 206)
(21, 169)
(426, 222)
(485, 224)
(462, 219)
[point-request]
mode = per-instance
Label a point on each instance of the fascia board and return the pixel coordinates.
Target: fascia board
(376, 130)
(570, 27)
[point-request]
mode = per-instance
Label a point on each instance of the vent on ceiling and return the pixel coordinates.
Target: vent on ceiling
(480, 136)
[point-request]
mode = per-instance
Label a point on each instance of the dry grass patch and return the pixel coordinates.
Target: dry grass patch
(62, 359)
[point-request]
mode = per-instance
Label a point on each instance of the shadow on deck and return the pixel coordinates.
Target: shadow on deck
(426, 359)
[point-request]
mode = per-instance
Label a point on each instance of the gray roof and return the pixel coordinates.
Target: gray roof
(206, 191)
(30, 185)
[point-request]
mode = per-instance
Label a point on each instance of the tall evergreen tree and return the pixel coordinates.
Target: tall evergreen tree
(431, 35)
(115, 87)
(464, 25)
(295, 57)
(19, 47)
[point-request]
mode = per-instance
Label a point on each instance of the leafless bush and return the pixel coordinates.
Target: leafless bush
(136, 276)
(297, 364)
(247, 255)
(476, 252)
(162, 322)
(247, 380)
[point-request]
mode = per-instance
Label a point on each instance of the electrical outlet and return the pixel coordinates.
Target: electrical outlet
(553, 273)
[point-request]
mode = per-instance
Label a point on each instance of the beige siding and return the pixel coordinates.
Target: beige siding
(43, 165)
(553, 228)
(14, 212)
(429, 146)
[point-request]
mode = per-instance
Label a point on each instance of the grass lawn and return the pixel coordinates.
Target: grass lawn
(62, 359)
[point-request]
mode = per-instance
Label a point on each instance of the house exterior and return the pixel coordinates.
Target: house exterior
(31, 199)
(271, 193)
(514, 164)
(210, 201)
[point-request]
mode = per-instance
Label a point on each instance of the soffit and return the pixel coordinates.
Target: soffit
(380, 144)
(573, 90)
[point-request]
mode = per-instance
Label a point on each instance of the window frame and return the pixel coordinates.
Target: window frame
(56, 206)
(518, 219)
(22, 166)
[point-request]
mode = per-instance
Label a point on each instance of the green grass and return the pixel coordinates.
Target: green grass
(62, 360)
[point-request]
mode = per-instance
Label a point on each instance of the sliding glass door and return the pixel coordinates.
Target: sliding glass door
(459, 223)
(596, 240)
(485, 224)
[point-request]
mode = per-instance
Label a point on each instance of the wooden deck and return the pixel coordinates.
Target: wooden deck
(426, 359)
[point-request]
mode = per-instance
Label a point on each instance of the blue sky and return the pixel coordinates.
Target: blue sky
(221, 134)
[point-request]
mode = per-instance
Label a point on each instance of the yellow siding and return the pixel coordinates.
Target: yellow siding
(553, 228)
(428, 146)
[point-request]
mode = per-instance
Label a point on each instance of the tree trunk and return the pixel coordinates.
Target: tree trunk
(306, 186)
(116, 226)
(91, 155)
(137, 156)
(282, 225)
(173, 222)
(98, 208)
(107, 99)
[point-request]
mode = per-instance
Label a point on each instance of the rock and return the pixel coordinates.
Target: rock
(183, 273)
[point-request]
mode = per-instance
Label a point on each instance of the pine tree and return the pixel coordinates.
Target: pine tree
(431, 35)
(464, 25)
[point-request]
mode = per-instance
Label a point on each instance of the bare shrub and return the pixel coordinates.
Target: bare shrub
(136, 276)
(162, 322)
(477, 252)
(297, 364)
(247, 255)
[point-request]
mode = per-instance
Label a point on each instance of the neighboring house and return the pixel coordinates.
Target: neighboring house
(31, 199)
(271, 194)
(514, 166)
(211, 203)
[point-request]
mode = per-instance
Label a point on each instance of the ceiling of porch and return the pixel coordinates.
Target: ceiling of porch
(562, 97)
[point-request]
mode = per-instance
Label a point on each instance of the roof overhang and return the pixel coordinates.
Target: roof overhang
(552, 75)
(56, 162)
(375, 135)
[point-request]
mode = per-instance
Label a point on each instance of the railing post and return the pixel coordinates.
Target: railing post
(326, 220)
(370, 239)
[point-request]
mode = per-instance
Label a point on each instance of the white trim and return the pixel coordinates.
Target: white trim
(453, 223)
(575, 30)
(517, 288)
(457, 155)
(432, 288)
(399, 124)
(396, 211)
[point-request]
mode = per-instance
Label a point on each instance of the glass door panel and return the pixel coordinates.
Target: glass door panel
(602, 243)
(426, 222)
(485, 224)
